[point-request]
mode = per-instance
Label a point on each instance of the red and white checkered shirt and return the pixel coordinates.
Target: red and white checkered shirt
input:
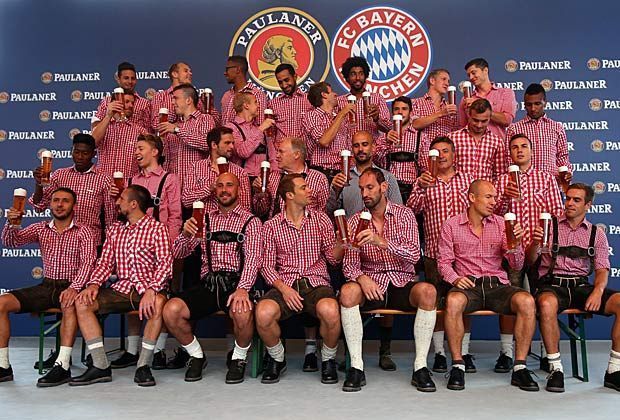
(201, 180)
(462, 253)
(187, 146)
(228, 112)
(366, 123)
(580, 236)
(486, 160)
(117, 150)
(406, 172)
(290, 253)
(92, 189)
(549, 144)
(501, 100)
(140, 254)
(289, 113)
(396, 264)
(224, 256)
(162, 99)
(539, 194)
(69, 255)
(316, 123)
(317, 185)
(438, 204)
(246, 144)
(141, 110)
(423, 107)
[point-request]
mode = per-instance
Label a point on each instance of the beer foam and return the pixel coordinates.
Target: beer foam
(365, 215)
(545, 216)
(433, 153)
(397, 117)
(366, 94)
(509, 217)
(452, 88)
(46, 154)
(163, 110)
(513, 168)
(340, 212)
(265, 164)
(268, 111)
(466, 84)
(221, 160)
(118, 175)
(20, 192)
(563, 169)
(207, 90)
(351, 98)
(345, 153)
(198, 205)
(119, 90)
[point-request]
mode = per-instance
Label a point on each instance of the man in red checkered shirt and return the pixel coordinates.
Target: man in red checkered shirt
(179, 73)
(327, 130)
(126, 78)
(471, 250)
(138, 250)
(236, 74)
(68, 253)
(381, 274)
(116, 136)
(185, 140)
(231, 258)
(298, 244)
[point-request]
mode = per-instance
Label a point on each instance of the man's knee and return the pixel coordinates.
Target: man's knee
(455, 303)
(267, 311)
(547, 304)
(350, 294)
(523, 303)
(173, 309)
(327, 310)
(424, 293)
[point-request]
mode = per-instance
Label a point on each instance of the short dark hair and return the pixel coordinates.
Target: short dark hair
(434, 74)
(583, 187)
(442, 139)
(156, 143)
(481, 63)
(287, 185)
(535, 89)
(285, 66)
(519, 136)
(189, 91)
(240, 61)
(480, 105)
(174, 68)
(405, 100)
(141, 195)
(378, 174)
(68, 191)
(87, 139)
(215, 135)
(315, 93)
(125, 66)
(351, 62)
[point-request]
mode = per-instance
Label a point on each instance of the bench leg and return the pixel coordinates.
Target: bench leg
(258, 348)
(41, 340)
(576, 333)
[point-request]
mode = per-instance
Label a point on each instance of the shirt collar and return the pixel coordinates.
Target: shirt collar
(585, 223)
(463, 218)
(157, 171)
(532, 120)
(51, 224)
(92, 169)
(139, 223)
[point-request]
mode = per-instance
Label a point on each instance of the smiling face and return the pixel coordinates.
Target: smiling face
(145, 154)
(446, 155)
(61, 205)
(127, 80)
(287, 82)
(362, 147)
(477, 76)
(227, 190)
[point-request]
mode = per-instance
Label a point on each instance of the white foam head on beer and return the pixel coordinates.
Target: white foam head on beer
(221, 161)
(365, 215)
(198, 205)
(433, 153)
(351, 98)
(452, 88)
(513, 168)
(366, 94)
(119, 90)
(466, 84)
(118, 174)
(510, 217)
(46, 154)
(20, 192)
(265, 164)
(208, 90)
(340, 212)
(268, 111)
(545, 216)
(397, 117)
(563, 169)
(163, 111)
(345, 153)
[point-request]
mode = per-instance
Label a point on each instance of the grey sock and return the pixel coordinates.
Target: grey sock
(146, 355)
(97, 351)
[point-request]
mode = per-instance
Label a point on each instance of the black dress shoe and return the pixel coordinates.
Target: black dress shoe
(229, 356)
(503, 363)
(544, 364)
(92, 375)
(88, 362)
(144, 377)
(6, 374)
(311, 363)
(195, 366)
(159, 360)
(469, 363)
(612, 380)
(54, 377)
(273, 370)
(127, 359)
(523, 380)
(50, 361)
(354, 381)
(329, 372)
(421, 379)
(441, 363)
(236, 371)
(386, 363)
(456, 379)
(179, 360)
(555, 382)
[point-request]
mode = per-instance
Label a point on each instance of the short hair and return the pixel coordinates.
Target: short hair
(480, 105)
(240, 61)
(141, 195)
(156, 143)
(376, 172)
(174, 68)
(285, 66)
(68, 191)
(535, 89)
(442, 139)
(315, 93)
(125, 66)
(215, 135)
(83, 138)
(405, 100)
(351, 62)
(481, 63)
(519, 136)
(583, 187)
(240, 99)
(287, 185)
(474, 187)
(434, 73)
(298, 145)
(189, 91)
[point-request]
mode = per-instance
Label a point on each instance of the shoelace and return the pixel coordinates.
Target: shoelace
(551, 373)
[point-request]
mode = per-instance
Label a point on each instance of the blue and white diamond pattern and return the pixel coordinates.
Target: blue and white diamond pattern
(386, 50)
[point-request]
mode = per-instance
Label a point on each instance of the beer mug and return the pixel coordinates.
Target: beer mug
(513, 173)
(119, 182)
(118, 96)
(271, 131)
(46, 167)
(222, 164)
(545, 223)
(467, 89)
(397, 125)
(264, 175)
(342, 227)
(362, 225)
(352, 115)
(19, 204)
(433, 164)
(346, 167)
(510, 219)
(366, 98)
(198, 213)
(451, 95)
(563, 175)
(207, 100)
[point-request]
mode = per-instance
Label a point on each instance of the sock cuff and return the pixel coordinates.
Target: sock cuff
(242, 348)
(614, 354)
(95, 343)
(274, 347)
(553, 356)
(352, 308)
(148, 344)
(329, 348)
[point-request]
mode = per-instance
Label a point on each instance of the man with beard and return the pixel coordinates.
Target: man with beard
(179, 73)
(236, 74)
(68, 252)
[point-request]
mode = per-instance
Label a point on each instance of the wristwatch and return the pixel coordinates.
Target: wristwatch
(176, 130)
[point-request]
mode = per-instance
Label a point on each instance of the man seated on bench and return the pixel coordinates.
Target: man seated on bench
(139, 251)
(577, 249)
(231, 242)
(471, 249)
(69, 254)
(381, 274)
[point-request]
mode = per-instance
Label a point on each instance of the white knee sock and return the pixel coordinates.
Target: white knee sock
(161, 342)
(194, 349)
(240, 353)
(64, 357)
(423, 334)
(614, 362)
(506, 340)
(327, 353)
(4, 358)
(555, 361)
(353, 333)
(438, 338)
(277, 352)
(465, 344)
(132, 344)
